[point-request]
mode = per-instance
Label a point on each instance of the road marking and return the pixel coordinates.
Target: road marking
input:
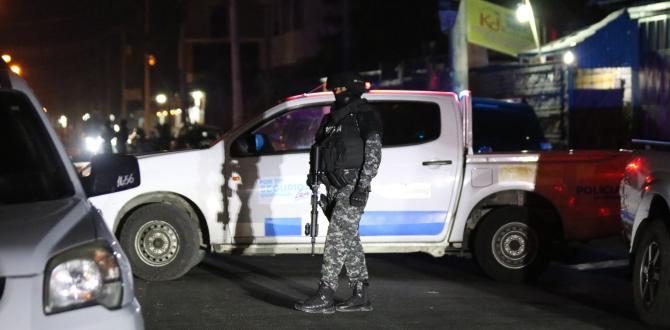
(599, 265)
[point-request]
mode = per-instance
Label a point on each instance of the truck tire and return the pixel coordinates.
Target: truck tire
(161, 241)
(510, 246)
(651, 274)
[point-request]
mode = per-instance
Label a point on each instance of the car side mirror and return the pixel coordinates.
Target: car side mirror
(108, 173)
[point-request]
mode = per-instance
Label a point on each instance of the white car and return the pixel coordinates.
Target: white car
(645, 201)
(60, 266)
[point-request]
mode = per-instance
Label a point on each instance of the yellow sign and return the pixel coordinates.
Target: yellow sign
(497, 28)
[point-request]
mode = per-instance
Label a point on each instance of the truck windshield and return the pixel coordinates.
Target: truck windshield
(30, 168)
(503, 126)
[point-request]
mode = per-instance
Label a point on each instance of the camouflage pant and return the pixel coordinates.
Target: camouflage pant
(343, 242)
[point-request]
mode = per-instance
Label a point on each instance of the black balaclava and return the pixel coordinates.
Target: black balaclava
(352, 82)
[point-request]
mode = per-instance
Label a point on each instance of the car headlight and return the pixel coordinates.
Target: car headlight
(83, 276)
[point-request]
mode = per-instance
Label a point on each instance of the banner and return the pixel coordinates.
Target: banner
(496, 27)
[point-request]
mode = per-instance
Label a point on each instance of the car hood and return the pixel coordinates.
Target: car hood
(30, 234)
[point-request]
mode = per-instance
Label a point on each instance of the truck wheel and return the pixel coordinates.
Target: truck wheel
(510, 246)
(651, 275)
(161, 241)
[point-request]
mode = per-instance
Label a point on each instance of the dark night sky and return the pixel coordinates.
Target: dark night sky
(69, 47)
(70, 50)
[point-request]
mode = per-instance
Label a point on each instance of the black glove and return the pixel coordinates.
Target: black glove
(326, 206)
(358, 198)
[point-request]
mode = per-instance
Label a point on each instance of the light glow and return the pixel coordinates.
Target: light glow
(569, 57)
(62, 121)
(197, 96)
(93, 144)
(161, 98)
(524, 13)
(16, 69)
(634, 165)
(7, 58)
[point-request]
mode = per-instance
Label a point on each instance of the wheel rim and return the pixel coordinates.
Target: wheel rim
(514, 245)
(650, 273)
(157, 243)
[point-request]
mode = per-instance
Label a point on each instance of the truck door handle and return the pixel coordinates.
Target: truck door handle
(436, 162)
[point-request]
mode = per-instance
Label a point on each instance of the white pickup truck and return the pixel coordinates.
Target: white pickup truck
(247, 195)
(645, 197)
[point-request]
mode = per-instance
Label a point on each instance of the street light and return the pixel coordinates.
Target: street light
(161, 98)
(197, 95)
(569, 57)
(7, 58)
(151, 60)
(523, 13)
(16, 69)
(62, 120)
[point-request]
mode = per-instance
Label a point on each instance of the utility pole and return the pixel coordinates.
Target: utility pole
(458, 49)
(235, 63)
(147, 78)
(124, 105)
(183, 95)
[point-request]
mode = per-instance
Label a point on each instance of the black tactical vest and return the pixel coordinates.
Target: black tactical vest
(341, 144)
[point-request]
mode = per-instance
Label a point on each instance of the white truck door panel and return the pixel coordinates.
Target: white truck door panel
(412, 194)
(274, 201)
(414, 189)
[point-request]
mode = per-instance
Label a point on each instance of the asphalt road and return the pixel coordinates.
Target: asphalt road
(587, 288)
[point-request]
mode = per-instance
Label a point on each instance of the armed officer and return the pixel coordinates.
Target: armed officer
(350, 144)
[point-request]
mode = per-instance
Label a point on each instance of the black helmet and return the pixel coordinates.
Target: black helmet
(352, 81)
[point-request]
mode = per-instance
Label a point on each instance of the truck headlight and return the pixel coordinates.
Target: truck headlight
(83, 276)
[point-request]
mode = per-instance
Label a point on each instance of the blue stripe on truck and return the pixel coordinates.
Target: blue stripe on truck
(282, 227)
(373, 223)
(396, 223)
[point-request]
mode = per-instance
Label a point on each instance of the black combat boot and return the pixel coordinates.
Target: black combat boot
(359, 301)
(322, 302)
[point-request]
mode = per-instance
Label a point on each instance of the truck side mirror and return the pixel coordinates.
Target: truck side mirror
(250, 145)
(108, 173)
(260, 140)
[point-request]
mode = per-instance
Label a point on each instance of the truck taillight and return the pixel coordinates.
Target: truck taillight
(604, 212)
(634, 165)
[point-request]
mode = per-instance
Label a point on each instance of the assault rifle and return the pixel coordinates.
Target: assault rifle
(312, 228)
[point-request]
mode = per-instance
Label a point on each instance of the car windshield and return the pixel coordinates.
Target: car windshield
(30, 169)
(502, 126)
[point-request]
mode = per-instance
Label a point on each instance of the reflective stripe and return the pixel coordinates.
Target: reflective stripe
(375, 223)
(382, 223)
(282, 227)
